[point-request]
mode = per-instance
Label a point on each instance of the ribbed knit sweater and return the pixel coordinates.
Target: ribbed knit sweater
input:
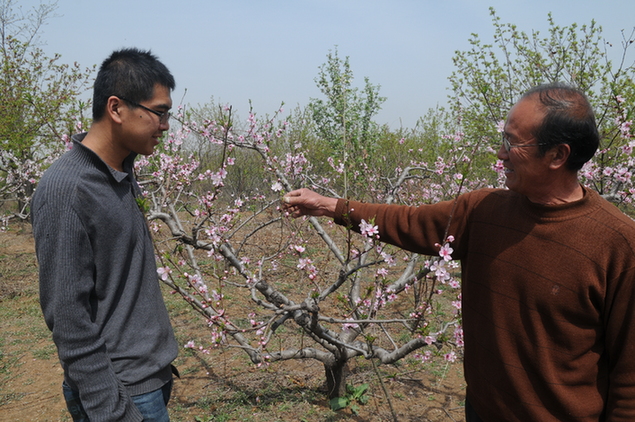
(548, 300)
(99, 289)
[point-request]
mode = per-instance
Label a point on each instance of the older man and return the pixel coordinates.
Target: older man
(548, 271)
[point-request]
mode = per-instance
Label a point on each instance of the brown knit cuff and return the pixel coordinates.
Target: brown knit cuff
(342, 211)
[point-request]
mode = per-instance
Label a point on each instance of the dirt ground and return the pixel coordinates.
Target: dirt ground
(217, 387)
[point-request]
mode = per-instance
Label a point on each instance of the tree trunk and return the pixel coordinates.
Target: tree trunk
(336, 379)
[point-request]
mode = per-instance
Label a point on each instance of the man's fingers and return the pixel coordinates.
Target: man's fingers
(287, 198)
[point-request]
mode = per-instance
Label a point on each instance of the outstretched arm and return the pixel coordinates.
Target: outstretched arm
(306, 202)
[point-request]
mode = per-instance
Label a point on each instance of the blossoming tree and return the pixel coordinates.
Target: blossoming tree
(39, 105)
(353, 296)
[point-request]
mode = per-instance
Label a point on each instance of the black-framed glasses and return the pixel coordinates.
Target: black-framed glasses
(163, 116)
(509, 146)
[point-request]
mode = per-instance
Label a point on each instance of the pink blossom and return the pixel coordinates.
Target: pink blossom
(303, 262)
(450, 357)
(446, 252)
(367, 229)
(458, 336)
(382, 272)
(425, 357)
(277, 187)
(216, 296)
(440, 271)
(349, 325)
(500, 126)
(164, 272)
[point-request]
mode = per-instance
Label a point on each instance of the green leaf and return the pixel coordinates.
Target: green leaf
(338, 403)
(358, 392)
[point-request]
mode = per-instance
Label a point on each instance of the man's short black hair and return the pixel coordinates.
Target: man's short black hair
(130, 73)
(569, 119)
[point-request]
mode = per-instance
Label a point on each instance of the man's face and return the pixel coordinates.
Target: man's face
(142, 128)
(526, 172)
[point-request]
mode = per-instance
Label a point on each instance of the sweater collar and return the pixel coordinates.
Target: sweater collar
(589, 202)
(119, 176)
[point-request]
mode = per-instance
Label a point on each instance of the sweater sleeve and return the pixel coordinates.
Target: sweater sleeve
(416, 229)
(67, 297)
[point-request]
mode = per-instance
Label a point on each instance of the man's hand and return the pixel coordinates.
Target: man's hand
(306, 202)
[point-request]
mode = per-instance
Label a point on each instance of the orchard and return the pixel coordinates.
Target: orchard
(314, 290)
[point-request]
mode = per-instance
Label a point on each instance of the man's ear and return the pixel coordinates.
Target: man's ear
(559, 156)
(113, 108)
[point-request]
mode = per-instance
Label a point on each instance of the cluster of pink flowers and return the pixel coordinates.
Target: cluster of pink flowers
(368, 229)
(306, 264)
(295, 164)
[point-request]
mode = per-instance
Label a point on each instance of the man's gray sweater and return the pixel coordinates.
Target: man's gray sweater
(99, 289)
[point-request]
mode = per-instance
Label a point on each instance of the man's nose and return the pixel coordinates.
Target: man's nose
(502, 153)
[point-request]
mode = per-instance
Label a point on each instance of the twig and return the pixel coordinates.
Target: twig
(383, 387)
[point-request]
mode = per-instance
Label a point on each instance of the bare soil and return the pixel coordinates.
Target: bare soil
(220, 386)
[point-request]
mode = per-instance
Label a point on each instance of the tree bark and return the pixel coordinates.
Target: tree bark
(336, 378)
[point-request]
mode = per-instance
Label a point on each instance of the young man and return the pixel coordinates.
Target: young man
(99, 289)
(548, 270)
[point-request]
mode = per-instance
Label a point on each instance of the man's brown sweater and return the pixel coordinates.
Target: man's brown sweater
(548, 299)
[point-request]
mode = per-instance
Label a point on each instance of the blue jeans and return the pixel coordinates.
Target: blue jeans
(152, 405)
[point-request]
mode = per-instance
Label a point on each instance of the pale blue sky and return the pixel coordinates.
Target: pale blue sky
(269, 51)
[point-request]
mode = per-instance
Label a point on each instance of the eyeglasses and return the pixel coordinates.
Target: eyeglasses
(163, 116)
(509, 146)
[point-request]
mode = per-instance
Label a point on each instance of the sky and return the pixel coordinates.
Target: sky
(270, 51)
